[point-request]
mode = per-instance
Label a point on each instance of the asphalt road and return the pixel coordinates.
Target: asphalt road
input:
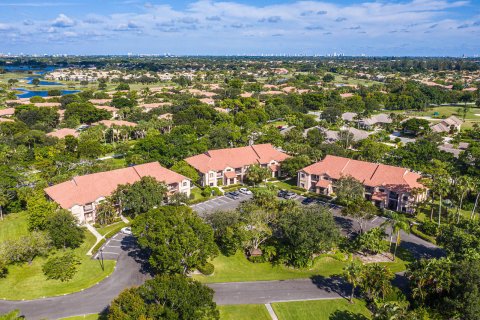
(130, 272)
(219, 203)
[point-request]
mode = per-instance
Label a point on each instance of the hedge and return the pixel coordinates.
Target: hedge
(422, 235)
(207, 269)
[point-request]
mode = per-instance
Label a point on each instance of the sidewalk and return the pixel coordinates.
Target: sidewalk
(96, 234)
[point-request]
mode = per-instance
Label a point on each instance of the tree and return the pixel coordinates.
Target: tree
(463, 186)
(141, 196)
(12, 315)
(429, 278)
(35, 82)
(106, 212)
(349, 190)
(26, 248)
(291, 165)
(461, 240)
(256, 174)
(85, 112)
(352, 273)
(63, 230)
(62, 267)
(361, 211)
(376, 281)
(416, 126)
(328, 77)
(258, 222)
(175, 239)
(304, 233)
(186, 169)
(122, 86)
(165, 297)
(228, 230)
(39, 210)
(397, 223)
(372, 241)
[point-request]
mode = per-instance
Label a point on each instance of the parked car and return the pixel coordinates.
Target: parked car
(126, 230)
(232, 195)
(282, 193)
(308, 201)
(321, 202)
(290, 195)
(245, 191)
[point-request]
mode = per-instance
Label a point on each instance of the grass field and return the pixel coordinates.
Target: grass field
(244, 312)
(13, 226)
(104, 230)
(27, 281)
(237, 268)
(334, 309)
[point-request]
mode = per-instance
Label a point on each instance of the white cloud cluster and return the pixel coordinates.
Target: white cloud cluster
(293, 27)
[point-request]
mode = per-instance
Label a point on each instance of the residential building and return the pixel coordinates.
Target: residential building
(450, 125)
(229, 166)
(386, 186)
(82, 194)
(62, 133)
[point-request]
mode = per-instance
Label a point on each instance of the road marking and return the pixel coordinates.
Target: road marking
(209, 205)
(270, 311)
(105, 252)
(112, 246)
(374, 219)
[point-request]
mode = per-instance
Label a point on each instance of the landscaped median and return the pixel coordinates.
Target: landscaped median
(27, 281)
(238, 268)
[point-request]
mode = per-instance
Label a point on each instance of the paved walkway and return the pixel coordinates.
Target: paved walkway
(96, 234)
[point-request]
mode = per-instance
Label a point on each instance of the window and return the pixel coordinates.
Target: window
(211, 184)
(302, 175)
(211, 175)
(405, 198)
(185, 183)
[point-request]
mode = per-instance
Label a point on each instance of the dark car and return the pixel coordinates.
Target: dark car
(321, 202)
(235, 193)
(232, 195)
(282, 193)
(308, 201)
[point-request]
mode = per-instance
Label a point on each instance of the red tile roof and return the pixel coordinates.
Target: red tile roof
(230, 174)
(370, 174)
(235, 157)
(323, 183)
(110, 123)
(86, 189)
(62, 133)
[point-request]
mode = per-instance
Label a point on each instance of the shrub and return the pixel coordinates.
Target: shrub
(62, 267)
(207, 269)
(207, 192)
(429, 228)
(216, 191)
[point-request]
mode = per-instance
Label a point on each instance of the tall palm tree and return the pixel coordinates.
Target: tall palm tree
(442, 187)
(352, 272)
(476, 187)
(464, 185)
(397, 223)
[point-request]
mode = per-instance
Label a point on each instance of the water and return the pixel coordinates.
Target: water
(42, 93)
(23, 68)
(43, 82)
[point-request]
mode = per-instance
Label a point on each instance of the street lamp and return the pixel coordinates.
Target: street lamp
(101, 254)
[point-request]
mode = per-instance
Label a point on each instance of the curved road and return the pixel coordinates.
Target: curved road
(130, 272)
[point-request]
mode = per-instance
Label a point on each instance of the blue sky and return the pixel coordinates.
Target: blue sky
(384, 27)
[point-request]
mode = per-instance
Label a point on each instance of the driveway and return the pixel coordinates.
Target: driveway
(219, 203)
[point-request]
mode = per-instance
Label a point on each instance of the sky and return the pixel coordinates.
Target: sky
(237, 27)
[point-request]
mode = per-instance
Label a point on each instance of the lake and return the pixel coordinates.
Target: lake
(42, 93)
(43, 82)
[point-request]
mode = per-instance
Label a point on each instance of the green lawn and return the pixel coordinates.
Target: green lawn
(13, 226)
(27, 281)
(244, 312)
(332, 309)
(104, 230)
(238, 268)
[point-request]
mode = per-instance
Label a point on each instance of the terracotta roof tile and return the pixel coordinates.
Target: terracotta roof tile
(89, 188)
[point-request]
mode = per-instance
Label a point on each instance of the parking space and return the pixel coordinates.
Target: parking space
(115, 246)
(219, 203)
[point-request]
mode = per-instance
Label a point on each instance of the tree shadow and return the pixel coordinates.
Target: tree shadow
(129, 244)
(334, 284)
(420, 251)
(346, 315)
(345, 224)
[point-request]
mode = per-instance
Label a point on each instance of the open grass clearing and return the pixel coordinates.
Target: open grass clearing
(13, 226)
(238, 268)
(27, 281)
(330, 309)
(244, 312)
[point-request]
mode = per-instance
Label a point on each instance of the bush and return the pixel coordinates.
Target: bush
(207, 192)
(216, 191)
(430, 228)
(207, 269)
(422, 235)
(62, 267)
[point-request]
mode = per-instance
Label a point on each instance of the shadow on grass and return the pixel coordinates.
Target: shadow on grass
(346, 315)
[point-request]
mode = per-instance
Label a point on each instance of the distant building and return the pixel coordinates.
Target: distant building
(450, 125)
(386, 186)
(62, 133)
(229, 166)
(82, 194)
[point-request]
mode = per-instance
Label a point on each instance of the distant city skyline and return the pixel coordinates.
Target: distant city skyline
(353, 28)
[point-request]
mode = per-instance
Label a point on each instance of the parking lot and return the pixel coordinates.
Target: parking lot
(220, 203)
(115, 246)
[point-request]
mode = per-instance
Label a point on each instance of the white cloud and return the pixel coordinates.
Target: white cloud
(62, 21)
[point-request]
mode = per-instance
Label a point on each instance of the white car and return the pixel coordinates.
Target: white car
(126, 230)
(245, 191)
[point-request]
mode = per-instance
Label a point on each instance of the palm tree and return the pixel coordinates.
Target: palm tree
(3, 202)
(397, 223)
(441, 184)
(476, 185)
(352, 272)
(464, 185)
